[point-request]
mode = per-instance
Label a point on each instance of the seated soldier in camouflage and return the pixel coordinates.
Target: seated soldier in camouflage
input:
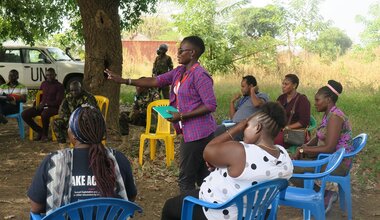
(74, 99)
(137, 116)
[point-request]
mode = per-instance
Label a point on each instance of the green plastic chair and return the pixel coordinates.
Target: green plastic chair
(311, 127)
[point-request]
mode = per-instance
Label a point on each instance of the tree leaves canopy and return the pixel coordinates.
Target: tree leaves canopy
(32, 20)
(258, 22)
(371, 34)
(331, 43)
(206, 19)
(29, 19)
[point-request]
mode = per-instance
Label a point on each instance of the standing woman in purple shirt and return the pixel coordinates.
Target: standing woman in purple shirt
(193, 95)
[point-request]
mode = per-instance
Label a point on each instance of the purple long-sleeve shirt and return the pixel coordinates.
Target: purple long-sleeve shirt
(195, 91)
(52, 93)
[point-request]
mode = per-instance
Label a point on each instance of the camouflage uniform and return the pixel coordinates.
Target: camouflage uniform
(138, 114)
(69, 104)
(163, 64)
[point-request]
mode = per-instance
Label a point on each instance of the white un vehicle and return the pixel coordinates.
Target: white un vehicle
(32, 63)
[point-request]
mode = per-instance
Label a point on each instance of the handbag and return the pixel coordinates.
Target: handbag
(294, 136)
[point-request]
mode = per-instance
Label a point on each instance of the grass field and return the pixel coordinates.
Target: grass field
(360, 101)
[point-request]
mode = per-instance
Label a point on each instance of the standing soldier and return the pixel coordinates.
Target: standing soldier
(162, 64)
(74, 99)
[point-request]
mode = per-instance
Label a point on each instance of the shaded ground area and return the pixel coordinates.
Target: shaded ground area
(155, 182)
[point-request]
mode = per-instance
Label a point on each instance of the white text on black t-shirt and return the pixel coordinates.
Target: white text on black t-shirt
(84, 181)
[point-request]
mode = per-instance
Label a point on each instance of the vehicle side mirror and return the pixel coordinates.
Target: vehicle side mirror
(47, 61)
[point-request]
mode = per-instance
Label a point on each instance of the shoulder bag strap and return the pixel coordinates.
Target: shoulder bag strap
(293, 109)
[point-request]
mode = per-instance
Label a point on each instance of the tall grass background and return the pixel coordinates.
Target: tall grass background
(360, 99)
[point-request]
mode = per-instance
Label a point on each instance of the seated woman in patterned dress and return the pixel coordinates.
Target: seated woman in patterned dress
(333, 133)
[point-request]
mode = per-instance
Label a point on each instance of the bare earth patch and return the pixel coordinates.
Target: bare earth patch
(156, 183)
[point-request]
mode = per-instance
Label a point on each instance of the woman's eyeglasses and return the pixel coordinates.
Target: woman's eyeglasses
(180, 50)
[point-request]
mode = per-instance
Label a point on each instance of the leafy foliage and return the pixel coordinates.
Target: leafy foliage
(29, 19)
(155, 28)
(331, 43)
(248, 36)
(253, 33)
(205, 19)
(303, 22)
(132, 11)
(33, 20)
(371, 35)
(259, 22)
(67, 39)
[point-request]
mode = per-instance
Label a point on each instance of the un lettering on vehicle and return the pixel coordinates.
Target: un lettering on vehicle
(37, 74)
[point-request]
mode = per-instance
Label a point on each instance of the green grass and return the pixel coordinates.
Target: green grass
(127, 94)
(359, 104)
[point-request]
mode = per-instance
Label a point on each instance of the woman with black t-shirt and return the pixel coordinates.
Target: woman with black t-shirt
(87, 171)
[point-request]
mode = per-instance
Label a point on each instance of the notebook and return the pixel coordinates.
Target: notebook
(164, 111)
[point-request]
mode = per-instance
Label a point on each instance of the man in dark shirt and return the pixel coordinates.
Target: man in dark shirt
(75, 98)
(162, 64)
(52, 95)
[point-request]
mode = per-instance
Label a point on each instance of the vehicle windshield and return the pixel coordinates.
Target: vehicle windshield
(58, 54)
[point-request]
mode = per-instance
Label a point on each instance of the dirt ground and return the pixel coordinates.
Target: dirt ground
(156, 183)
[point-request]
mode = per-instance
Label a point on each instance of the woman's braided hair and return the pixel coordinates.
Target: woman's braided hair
(273, 118)
(90, 128)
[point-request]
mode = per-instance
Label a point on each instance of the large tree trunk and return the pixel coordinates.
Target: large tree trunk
(103, 47)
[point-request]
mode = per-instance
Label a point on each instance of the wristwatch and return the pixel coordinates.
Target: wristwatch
(301, 150)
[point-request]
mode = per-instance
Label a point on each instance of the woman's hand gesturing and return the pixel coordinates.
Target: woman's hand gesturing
(114, 77)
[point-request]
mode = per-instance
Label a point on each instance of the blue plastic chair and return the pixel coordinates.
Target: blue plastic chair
(306, 198)
(344, 182)
(93, 209)
(19, 121)
(258, 198)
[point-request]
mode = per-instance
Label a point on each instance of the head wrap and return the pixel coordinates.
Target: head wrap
(74, 123)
